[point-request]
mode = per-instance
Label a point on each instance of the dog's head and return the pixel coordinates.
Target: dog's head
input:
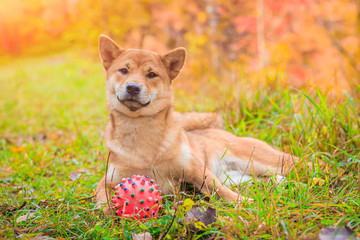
(138, 82)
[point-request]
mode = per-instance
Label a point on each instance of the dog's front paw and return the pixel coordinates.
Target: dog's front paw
(231, 196)
(239, 203)
(243, 199)
(279, 179)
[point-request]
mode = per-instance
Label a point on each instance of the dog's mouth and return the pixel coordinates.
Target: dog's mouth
(133, 104)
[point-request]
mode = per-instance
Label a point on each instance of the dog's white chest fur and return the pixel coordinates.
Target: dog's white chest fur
(183, 159)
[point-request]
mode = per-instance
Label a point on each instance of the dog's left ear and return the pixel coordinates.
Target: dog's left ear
(174, 61)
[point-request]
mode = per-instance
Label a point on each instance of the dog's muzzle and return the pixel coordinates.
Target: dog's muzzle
(132, 103)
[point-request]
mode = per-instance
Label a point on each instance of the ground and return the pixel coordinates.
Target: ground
(52, 155)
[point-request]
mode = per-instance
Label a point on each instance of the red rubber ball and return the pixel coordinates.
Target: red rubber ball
(137, 197)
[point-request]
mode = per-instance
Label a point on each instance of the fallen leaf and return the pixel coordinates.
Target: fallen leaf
(44, 238)
(54, 136)
(41, 236)
(25, 217)
(74, 175)
(336, 233)
(141, 236)
(318, 181)
(188, 203)
(197, 215)
(199, 225)
(17, 149)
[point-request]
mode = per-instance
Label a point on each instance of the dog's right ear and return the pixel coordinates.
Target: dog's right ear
(108, 50)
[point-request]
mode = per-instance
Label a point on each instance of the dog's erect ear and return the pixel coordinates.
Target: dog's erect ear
(108, 50)
(174, 61)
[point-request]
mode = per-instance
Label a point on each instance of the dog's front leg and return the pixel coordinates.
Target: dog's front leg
(206, 181)
(103, 196)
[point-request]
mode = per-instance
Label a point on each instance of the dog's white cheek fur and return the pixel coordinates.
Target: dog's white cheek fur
(111, 98)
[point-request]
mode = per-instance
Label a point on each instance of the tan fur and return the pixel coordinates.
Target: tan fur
(147, 137)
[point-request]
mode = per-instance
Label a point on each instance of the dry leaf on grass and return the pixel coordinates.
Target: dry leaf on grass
(41, 236)
(44, 238)
(141, 236)
(25, 217)
(200, 219)
(74, 175)
(17, 149)
(336, 233)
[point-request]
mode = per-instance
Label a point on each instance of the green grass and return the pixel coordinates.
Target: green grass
(53, 112)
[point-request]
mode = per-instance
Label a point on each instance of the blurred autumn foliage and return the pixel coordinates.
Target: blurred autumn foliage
(303, 42)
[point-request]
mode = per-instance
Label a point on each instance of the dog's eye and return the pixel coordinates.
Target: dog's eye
(123, 71)
(152, 75)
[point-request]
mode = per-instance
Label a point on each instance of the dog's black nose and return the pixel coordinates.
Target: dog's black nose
(133, 89)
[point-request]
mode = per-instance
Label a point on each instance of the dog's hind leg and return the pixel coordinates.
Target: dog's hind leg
(263, 159)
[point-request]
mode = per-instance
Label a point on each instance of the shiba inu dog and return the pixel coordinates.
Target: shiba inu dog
(145, 136)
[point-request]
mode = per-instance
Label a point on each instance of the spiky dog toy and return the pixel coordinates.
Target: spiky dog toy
(137, 197)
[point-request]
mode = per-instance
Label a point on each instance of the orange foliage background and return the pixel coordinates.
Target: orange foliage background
(303, 42)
